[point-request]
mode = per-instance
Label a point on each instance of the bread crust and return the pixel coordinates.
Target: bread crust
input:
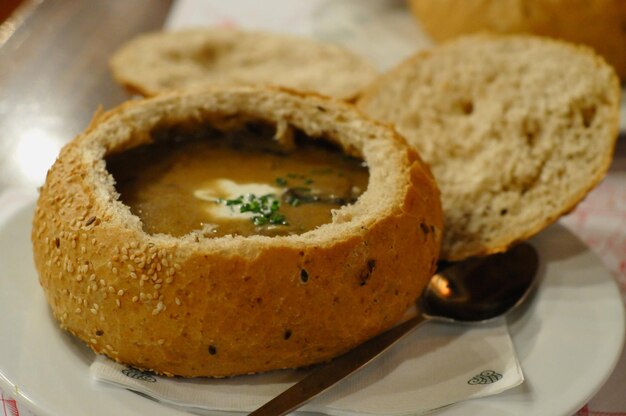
(194, 306)
(479, 110)
(596, 23)
(161, 61)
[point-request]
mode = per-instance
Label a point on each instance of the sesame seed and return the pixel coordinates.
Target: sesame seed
(169, 280)
(77, 310)
(135, 299)
(177, 301)
(111, 289)
(79, 278)
(96, 306)
(133, 275)
(133, 244)
(93, 310)
(157, 286)
(93, 341)
(161, 341)
(114, 270)
(118, 303)
(92, 277)
(102, 282)
(120, 292)
(124, 257)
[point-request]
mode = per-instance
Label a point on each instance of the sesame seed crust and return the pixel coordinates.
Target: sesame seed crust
(160, 302)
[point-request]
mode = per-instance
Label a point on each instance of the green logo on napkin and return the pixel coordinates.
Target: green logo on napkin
(139, 375)
(486, 377)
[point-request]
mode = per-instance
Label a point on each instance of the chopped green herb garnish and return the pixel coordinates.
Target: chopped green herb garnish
(265, 208)
(308, 181)
(281, 181)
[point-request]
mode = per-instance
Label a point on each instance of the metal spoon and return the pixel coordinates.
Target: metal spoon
(471, 291)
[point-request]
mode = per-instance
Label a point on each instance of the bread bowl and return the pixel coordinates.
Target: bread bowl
(516, 128)
(160, 61)
(195, 305)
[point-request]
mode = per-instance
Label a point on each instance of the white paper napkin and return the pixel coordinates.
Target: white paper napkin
(437, 365)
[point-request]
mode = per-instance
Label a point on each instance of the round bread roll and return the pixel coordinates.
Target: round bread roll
(517, 129)
(202, 306)
(600, 24)
(156, 62)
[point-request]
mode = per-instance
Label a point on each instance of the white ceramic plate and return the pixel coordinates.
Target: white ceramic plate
(568, 338)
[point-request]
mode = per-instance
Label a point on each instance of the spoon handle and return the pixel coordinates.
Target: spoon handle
(327, 375)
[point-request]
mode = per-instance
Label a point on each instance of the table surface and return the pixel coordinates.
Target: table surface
(54, 76)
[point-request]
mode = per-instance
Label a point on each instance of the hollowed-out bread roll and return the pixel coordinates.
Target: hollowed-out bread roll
(202, 306)
(517, 130)
(600, 24)
(161, 61)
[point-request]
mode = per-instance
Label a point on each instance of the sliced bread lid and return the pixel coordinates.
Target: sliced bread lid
(155, 62)
(517, 130)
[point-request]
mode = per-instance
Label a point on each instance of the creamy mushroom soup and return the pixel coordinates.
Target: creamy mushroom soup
(240, 183)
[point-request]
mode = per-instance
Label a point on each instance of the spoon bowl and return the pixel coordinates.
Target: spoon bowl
(472, 291)
(481, 289)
